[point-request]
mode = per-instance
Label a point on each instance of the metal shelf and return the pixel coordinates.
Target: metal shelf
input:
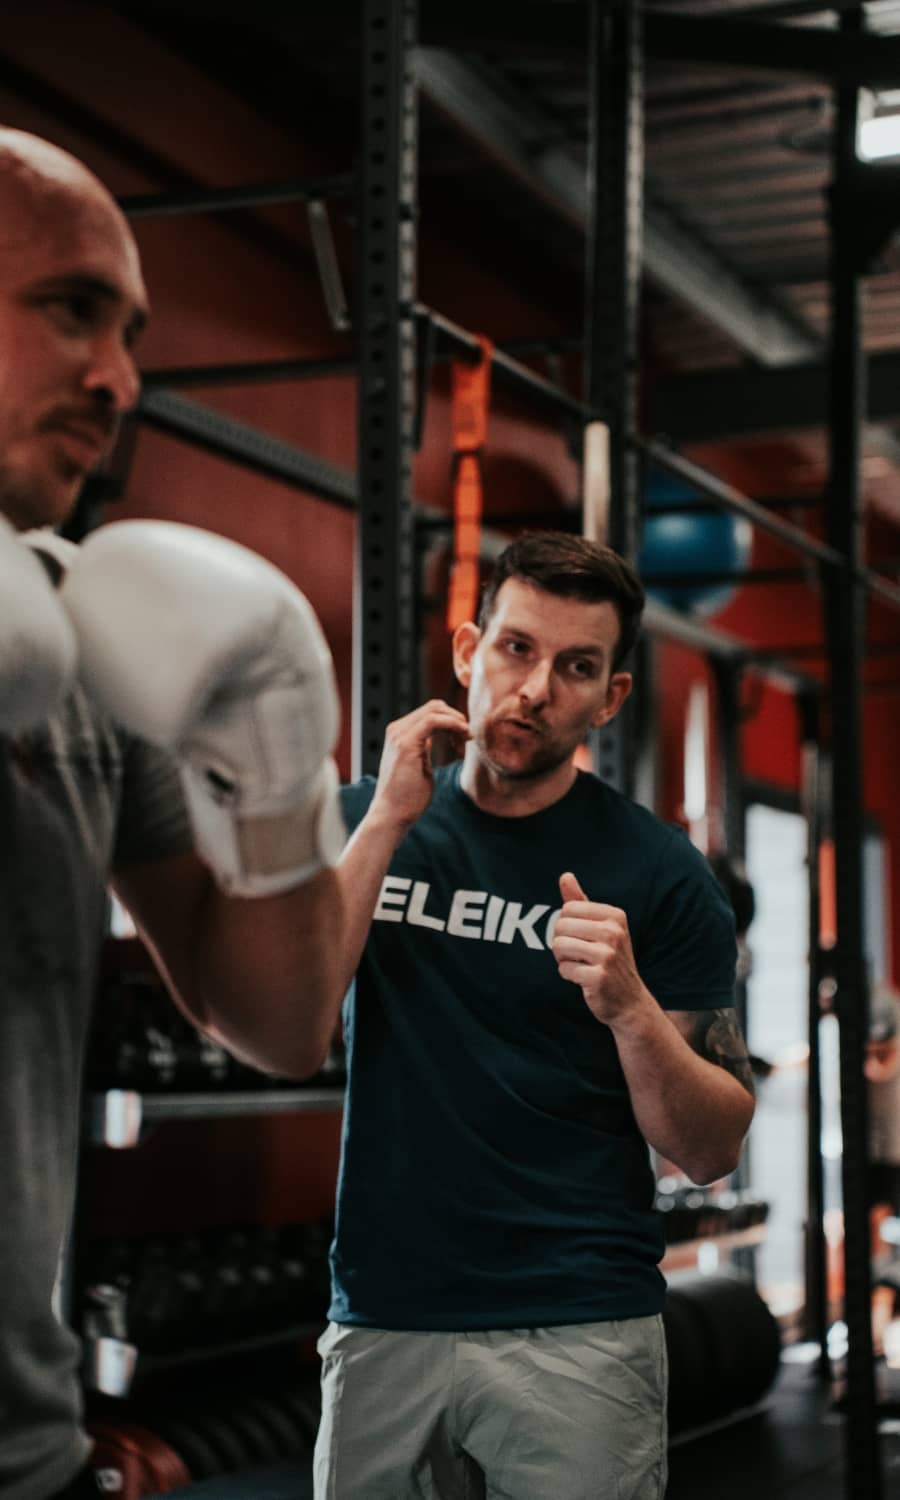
(682, 1255)
(117, 1117)
(111, 1367)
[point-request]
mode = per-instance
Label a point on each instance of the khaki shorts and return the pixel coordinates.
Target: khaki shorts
(570, 1413)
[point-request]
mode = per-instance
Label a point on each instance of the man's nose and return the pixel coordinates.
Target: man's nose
(535, 686)
(113, 373)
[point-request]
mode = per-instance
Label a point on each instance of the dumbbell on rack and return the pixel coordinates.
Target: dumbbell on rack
(166, 1295)
(141, 1041)
(170, 1445)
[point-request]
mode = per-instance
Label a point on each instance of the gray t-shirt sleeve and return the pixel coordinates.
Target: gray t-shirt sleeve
(153, 820)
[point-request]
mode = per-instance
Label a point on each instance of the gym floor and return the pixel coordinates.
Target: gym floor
(791, 1448)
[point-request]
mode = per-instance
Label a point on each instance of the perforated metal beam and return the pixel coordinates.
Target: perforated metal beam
(226, 437)
(384, 656)
(614, 196)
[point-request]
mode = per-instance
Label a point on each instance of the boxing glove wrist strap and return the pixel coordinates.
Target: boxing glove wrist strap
(262, 855)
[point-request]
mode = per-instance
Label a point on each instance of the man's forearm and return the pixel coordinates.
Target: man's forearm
(363, 866)
(402, 794)
(691, 1110)
(262, 976)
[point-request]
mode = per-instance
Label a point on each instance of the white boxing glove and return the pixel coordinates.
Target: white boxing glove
(198, 644)
(37, 644)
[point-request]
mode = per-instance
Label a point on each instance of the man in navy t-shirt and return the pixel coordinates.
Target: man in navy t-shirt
(543, 986)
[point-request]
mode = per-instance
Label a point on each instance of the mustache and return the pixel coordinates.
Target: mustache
(98, 422)
(535, 724)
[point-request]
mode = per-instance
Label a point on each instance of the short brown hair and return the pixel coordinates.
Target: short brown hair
(574, 568)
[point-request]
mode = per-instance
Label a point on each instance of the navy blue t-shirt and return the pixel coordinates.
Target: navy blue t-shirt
(492, 1172)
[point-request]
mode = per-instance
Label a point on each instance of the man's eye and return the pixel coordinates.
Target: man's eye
(74, 309)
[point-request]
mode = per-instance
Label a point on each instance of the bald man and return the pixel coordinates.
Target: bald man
(167, 709)
(72, 303)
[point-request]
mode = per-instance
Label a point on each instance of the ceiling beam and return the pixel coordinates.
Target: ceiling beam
(733, 403)
(560, 29)
(677, 261)
(867, 59)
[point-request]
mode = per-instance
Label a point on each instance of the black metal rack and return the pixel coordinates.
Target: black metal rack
(114, 1367)
(613, 190)
(386, 319)
(119, 1117)
(387, 358)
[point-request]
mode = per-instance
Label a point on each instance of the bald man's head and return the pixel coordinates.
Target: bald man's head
(25, 156)
(43, 187)
(72, 300)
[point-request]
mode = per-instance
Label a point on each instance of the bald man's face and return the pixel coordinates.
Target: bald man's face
(72, 302)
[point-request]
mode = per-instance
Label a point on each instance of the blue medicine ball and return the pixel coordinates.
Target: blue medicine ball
(689, 542)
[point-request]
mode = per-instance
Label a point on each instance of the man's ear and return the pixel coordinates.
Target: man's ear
(616, 693)
(465, 638)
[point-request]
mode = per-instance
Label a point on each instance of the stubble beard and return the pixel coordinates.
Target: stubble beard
(545, 759)
(28, 502)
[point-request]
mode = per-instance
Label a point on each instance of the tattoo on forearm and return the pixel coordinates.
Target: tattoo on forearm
(717, 1037)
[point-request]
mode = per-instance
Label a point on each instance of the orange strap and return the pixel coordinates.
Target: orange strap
(471, 385)
(827, 895)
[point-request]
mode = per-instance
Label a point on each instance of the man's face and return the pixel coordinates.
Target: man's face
(538, 678)
(72, 302)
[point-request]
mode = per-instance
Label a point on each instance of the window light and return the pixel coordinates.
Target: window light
(879, 138)
(878, 135)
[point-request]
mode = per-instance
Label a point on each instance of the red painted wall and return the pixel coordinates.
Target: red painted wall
(221, 295)
(779, 615)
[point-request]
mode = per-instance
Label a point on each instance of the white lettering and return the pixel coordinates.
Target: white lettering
(513, 922)
(492, 918)
(416, 914)
(392, 894)
(464, 903)
(551, 925)
(473, 914)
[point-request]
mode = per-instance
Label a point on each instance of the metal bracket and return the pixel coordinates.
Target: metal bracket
(327, 263)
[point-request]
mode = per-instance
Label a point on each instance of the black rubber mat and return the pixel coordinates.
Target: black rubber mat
(289, 1480)
(792, 1450)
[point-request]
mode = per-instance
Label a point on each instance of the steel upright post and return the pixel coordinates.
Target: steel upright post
(384, 608)
(733, 821)
(615, 182)
(732, 832)
(815, 787)
(844, 599)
